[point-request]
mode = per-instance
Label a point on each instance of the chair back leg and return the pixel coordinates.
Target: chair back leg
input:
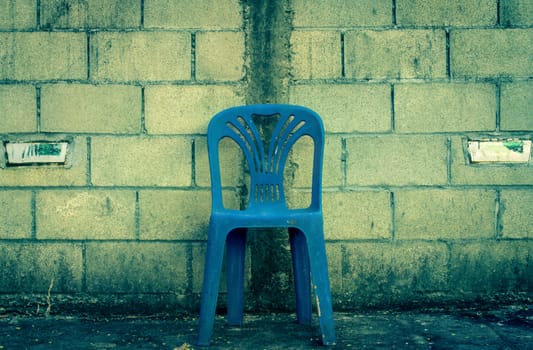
(302, 280)
(235, 254)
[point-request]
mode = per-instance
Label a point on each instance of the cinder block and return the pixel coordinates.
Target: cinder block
(437, 107)
(141, 161)
(491, 53)
(74, 174)
(463, 173)
(136, 267)
(377, 273)
(342, 13)
(449, 13)
(90, 108)
(174, 215)
(68, 14)
(347, 108)
(43, 55)
(333, 170)
(18, 14)
(18, 108)
(198, 260)
(171, 109)
(396, 160)
(516, 106)
(395, 54)
(198, 266)
(444, 214)
(316, 54)
(489, 267)
(38, 267)
(299, 168)
(231, 163)
(516, 213)
(220, 56)
(516, 12)
(369, 215)
(198, 14)
(81, 215)
(130, 56)
(298, 172)
(16, 214)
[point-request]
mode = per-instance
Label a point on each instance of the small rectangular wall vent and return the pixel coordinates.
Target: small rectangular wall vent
(36, 152)
(510, 151)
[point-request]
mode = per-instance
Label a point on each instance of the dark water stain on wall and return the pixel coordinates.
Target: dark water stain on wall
(268, 27)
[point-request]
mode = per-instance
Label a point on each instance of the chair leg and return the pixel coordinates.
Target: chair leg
(212, 270)
(235, 253)
(302, 281)
(319, 273)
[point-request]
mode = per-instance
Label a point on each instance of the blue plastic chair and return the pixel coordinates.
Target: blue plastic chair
(266, 208)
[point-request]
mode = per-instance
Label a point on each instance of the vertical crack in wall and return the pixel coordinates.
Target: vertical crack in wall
(268, 26)
(38, 104)
(34, 215)
(137, 216)
(498, 105)
(448, 55)
(143, 111)
(88, 174)
(498, 212)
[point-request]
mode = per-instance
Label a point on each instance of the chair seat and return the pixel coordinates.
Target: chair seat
(261, 217)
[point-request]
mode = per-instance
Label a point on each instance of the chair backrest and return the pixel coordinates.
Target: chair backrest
(266, 161)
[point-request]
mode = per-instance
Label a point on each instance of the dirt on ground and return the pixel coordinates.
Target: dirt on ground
(505, 327)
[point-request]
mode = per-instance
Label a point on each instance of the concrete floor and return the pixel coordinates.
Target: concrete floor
(507, 327)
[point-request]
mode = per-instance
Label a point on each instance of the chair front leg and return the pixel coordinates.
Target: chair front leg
(213, 266)
(321, 287)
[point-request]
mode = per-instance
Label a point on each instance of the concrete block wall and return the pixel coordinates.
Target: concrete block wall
(132, 85)
(401, 85)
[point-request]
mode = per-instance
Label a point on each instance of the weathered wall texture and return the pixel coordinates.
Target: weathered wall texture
(400, 85)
